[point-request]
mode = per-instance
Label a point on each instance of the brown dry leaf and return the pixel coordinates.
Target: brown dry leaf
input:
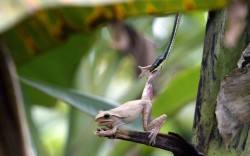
(233, 101)
(129, 41)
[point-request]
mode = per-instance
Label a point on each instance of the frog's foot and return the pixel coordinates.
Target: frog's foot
(158, 122)
(152, 136)
(145, 70)
(104, 132)
(99, 132)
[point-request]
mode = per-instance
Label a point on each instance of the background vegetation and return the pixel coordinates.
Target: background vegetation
(61, 68)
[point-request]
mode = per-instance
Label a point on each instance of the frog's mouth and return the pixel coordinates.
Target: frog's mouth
(104, 122)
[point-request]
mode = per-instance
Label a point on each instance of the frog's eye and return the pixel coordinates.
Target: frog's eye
(106, 116)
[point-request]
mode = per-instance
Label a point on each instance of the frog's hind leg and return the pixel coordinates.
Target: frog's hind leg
(154, 127)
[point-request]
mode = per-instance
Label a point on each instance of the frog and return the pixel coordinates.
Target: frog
(130, 111)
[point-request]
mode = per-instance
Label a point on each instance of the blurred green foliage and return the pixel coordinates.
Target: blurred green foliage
(107, 73)
(85, 72)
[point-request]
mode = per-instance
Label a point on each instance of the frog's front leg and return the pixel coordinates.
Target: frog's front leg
(108, 132)
(153, 126)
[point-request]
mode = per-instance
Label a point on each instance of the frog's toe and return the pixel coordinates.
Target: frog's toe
(96, 132)
(152, 140)
(152, 136)
(99, 132)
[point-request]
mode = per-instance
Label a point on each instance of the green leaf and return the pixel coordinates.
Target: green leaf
(59, 64)
(181, 90)
(49, 26)
(57, 67)
(88, 104)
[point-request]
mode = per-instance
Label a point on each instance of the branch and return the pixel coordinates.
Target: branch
(170, 142)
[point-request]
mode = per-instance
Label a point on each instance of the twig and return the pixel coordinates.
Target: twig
(170, 142)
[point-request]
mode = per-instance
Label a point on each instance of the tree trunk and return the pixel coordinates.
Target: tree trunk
(217, 62)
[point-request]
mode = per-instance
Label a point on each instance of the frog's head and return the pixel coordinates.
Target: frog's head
(107, 118)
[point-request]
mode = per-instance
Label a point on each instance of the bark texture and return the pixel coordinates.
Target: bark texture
(217, 62)
(170, 142)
